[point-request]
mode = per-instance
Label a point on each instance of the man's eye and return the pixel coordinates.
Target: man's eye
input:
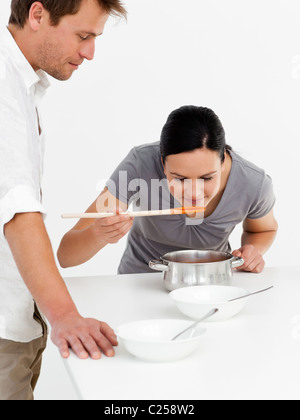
(207, 179)
(83, 38)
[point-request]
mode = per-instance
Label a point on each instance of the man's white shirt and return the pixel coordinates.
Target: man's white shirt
(21, 168)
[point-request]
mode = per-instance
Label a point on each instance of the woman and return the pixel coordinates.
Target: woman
(193, 166)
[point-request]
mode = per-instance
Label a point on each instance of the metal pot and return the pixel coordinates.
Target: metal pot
(194, 268)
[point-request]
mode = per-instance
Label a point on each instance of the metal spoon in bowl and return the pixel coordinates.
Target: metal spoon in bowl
(208, 315)
(251, 294)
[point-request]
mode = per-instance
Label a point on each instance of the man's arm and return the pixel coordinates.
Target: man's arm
(30, 245)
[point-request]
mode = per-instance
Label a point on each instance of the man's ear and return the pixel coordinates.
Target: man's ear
(36, 15)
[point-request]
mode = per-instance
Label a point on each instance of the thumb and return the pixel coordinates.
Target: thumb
(237, 253)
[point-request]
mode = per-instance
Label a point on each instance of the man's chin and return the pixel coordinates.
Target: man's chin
(60, 75)
(62, 78)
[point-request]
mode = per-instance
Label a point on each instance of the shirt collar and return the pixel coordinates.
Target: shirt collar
(31, 78)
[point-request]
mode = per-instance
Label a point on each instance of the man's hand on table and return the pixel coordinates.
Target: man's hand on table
(85, 336)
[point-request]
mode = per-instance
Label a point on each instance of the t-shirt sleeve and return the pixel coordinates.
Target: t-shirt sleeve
(265, 200)
(123, 182)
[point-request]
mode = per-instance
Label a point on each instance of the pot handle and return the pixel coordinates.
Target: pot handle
(237, 262)
(159, 265)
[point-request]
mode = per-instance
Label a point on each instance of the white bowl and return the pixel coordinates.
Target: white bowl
(197, 301)
(151, 340)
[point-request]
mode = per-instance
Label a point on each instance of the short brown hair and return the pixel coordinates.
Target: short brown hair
(59, 8)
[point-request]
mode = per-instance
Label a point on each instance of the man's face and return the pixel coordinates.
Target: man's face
(62, 49)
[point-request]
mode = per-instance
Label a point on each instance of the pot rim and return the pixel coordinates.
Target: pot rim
(220, 253)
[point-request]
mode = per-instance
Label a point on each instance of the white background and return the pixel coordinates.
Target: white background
(240, 58)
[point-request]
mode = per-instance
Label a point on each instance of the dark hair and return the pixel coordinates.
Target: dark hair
(58, 9)
(191, 127)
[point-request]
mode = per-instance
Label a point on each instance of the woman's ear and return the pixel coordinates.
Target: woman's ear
(223, 165)
(163, 164)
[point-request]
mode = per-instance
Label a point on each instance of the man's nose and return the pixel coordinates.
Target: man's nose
(87, 51)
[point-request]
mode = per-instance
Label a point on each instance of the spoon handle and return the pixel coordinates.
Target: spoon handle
(251, 294)
(208, 315)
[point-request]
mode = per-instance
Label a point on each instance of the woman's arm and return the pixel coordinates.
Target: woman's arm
(257, 238)
(89, 236)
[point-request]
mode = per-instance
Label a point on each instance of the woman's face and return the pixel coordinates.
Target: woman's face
(194, 177)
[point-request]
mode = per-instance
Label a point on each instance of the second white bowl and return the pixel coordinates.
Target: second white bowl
(197, 301)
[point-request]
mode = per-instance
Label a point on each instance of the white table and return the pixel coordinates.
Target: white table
(255, 355)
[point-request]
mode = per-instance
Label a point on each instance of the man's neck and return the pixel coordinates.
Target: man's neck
(22, 40)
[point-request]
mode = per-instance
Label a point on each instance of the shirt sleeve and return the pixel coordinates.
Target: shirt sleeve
(19, 161)
(123, 182)
(265, 200)
(20, 199)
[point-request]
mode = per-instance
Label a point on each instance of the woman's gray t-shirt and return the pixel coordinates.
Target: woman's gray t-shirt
(140, 178)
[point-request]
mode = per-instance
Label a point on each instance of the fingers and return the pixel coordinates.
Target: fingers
(89, 338)
(112, 229)
(64, 349)
(237, 253)
(104, 344)
(253, 260)
(108, 333)
(255, 266)
(117, 234)
(78, 347)
(118, 227)
(101, 338)
(110, 221)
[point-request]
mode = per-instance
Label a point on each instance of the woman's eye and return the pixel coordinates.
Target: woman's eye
(184, 179)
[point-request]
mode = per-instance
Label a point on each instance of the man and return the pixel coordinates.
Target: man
(55, 37)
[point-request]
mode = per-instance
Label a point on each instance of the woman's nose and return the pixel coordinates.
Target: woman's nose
(194, 188)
